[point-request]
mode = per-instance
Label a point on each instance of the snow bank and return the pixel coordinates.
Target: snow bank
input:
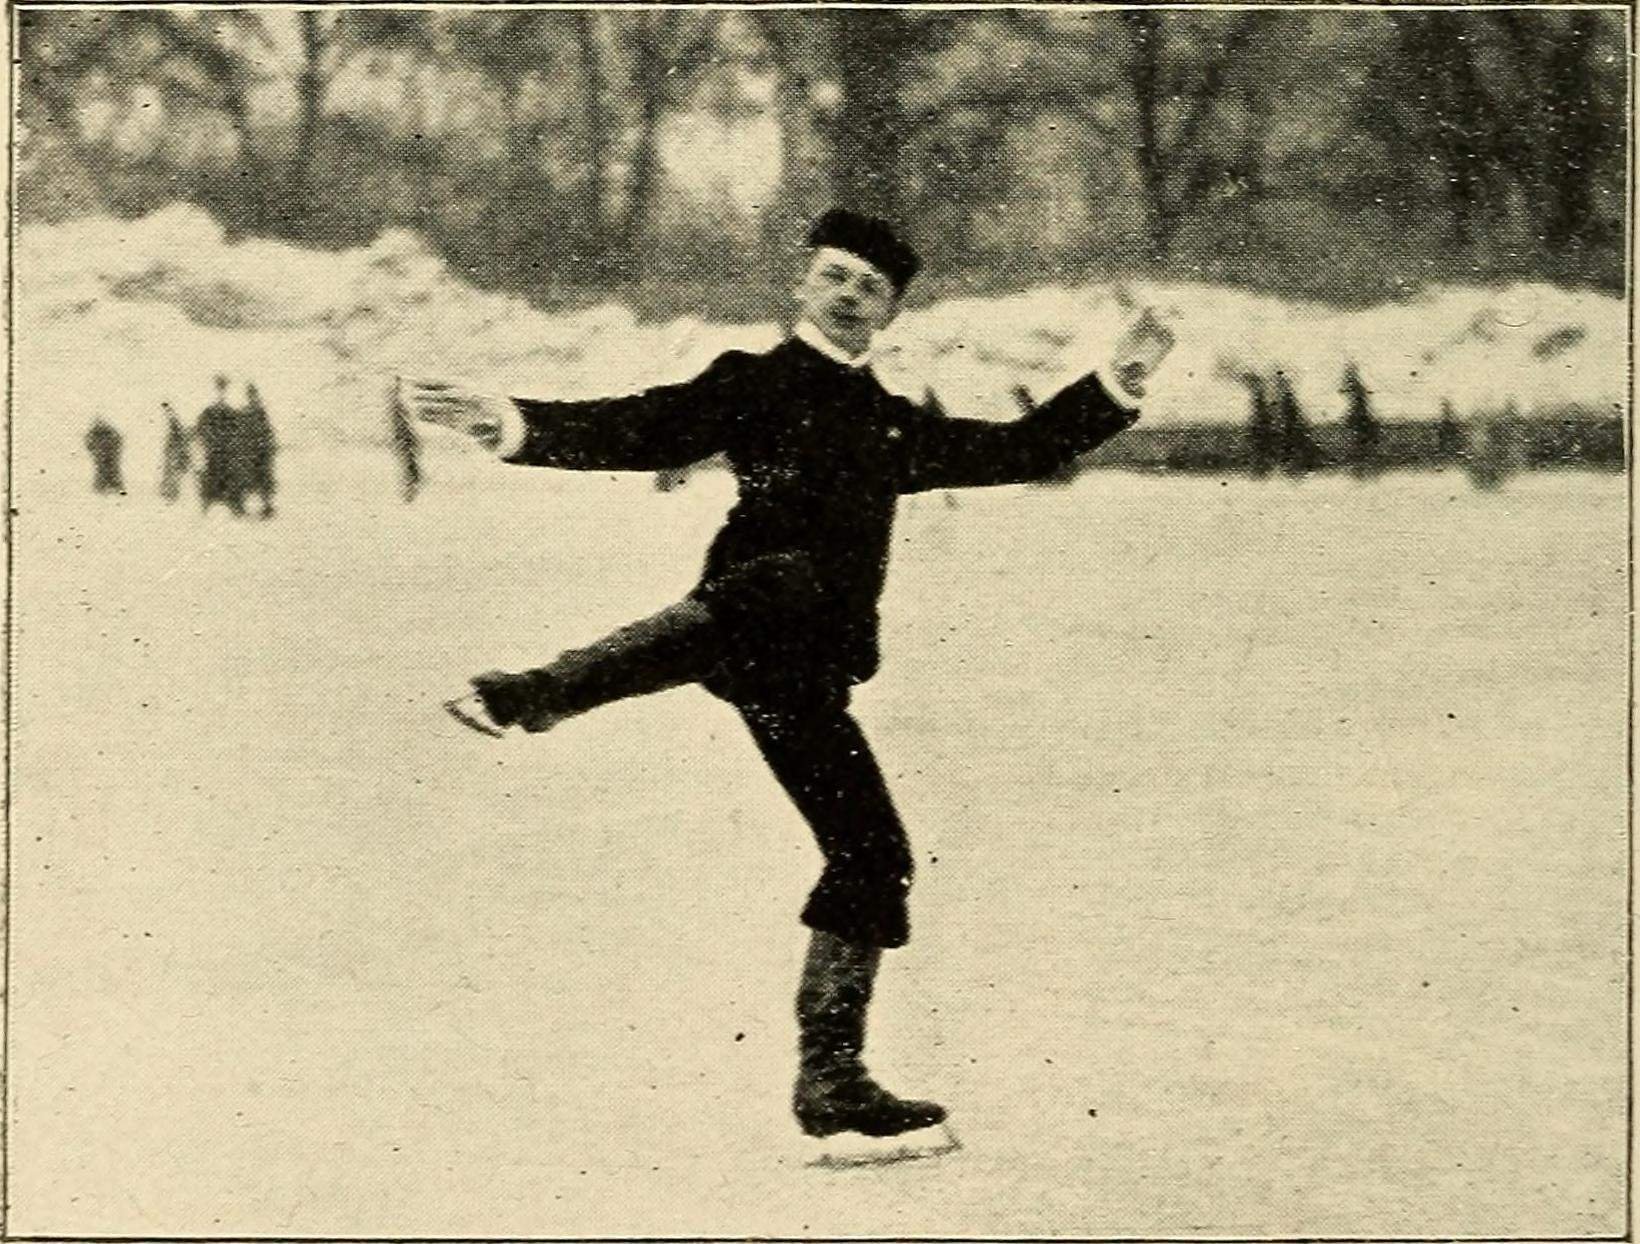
(116, 316)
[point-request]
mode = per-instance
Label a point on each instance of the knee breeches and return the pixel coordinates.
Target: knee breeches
(821, 757)
(814, 747)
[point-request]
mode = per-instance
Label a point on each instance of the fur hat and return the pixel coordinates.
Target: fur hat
(871, 239)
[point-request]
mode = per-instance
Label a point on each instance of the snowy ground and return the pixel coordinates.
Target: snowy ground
(116, 316)
(1271, 842)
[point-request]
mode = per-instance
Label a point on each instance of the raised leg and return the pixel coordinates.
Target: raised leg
(678, 645)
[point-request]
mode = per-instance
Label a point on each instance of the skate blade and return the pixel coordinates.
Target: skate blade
(847, 1150)
(469, 711)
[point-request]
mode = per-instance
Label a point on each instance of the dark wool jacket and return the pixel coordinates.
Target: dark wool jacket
(821, 451)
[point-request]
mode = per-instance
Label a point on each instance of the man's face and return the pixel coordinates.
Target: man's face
(847, 298)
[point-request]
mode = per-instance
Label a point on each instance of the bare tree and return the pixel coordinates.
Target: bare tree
(1508, 111)
(1177, 100)
(311, 81)
(670, 53)
(1426, 98)
(594, 222)
(530, 214)
(1182, 102)
(874, 54)
(195, 62)
(583, 99)
(330, 43)
(1560, 137)
(804, 186)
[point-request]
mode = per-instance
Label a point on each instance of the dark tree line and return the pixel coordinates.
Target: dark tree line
(1347, 154)
(1511, 114)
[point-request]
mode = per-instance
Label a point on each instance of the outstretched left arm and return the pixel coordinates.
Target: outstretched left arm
(973, 453)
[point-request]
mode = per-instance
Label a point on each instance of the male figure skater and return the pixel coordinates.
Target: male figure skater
(784, 620)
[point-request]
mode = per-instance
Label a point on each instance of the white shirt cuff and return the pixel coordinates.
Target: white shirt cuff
(1119, 397)
(513, 429)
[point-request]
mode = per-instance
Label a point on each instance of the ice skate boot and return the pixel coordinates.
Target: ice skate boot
(825, 1107)
(835, 1099)
(500, 700)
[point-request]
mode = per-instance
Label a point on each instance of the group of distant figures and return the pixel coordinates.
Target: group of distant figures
(236, 454)
(1278, 436)
(236, 444)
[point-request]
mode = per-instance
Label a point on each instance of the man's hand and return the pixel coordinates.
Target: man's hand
(453, 405)
(1130, 378)
(1140, 352)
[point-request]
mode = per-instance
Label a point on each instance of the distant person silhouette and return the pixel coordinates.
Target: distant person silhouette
(1360, 424)
(405, 444)
(176, 456)
(1263, 449)
(257, 450)
(104, 443)
(1295, 446)
(221, 478)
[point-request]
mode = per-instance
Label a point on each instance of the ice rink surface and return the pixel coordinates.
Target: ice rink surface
(1271, 846)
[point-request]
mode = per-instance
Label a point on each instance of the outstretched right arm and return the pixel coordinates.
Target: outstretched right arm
(667, 426)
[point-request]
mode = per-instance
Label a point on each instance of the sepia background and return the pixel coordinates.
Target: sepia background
(1266, 773)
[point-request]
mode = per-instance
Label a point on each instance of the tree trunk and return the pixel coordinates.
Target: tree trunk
(595, 221)
(1574, 132)
(1464, 126)
(251, 208)
(1145, 76)
(802, 191)
(310, 101)
(1456, 120)
(869, 49)
(649, 77)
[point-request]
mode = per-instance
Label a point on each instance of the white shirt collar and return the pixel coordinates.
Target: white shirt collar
(812, 337)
